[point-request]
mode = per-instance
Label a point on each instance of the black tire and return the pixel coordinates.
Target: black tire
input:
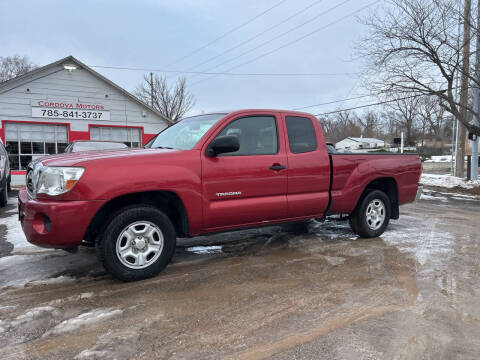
(107, 243)
(9, 184)
(358, 219)
(4, 196)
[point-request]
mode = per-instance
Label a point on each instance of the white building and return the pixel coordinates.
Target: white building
(359, 143)
(45, 109)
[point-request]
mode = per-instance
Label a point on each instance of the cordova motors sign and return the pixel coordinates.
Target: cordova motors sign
(51, 109)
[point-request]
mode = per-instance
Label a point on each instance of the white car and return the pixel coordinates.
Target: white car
(89, 145)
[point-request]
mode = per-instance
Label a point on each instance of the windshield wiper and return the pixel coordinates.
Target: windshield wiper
(163, 147)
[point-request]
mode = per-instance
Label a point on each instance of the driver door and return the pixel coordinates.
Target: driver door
(248, 186)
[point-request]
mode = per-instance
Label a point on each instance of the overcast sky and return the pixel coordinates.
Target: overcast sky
(159, 34)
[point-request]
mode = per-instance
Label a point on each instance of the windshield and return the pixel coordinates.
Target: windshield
(184, 134)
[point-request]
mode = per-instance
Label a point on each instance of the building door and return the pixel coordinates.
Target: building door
(132, 137)
(26, 142)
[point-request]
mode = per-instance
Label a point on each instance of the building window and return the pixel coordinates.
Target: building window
(27, 142)
(132, 137)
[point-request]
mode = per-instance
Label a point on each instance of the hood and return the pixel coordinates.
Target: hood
(72, 159)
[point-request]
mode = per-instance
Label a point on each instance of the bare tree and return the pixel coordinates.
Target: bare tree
(370, 124)
(433, 114)
(12, 66)
(413, 49)
(340, 126)
(172, 101)
(405, 112)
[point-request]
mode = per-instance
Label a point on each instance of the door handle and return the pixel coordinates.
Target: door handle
(277, 167)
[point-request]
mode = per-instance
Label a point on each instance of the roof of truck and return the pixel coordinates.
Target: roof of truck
(239, 111)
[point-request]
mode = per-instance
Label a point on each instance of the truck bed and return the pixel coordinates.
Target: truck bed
(351, 173)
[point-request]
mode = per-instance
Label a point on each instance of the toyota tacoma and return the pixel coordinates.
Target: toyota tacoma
(208, 173)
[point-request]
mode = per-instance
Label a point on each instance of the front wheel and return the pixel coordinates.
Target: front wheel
(372, 215)
(137, 243)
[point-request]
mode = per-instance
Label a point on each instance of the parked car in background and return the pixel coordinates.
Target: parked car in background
(5, 176)
(205, 174)
(89, 145)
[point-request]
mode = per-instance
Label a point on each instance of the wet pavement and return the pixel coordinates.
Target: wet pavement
(296, 292)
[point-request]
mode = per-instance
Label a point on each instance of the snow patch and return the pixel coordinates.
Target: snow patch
(428, 240)
(440, 159)
(453, 195)
(82, 296)
(7, 308)
(331, 229)
(15, 235)
(334, 260)
(29, 263)
(114, 344)
(213, 249)
(461, 198)
(33, 314)
(430, 197)
(92, 354)
(84, 319)
(448, 181)
(57, 280)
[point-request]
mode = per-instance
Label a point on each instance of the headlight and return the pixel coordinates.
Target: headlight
(57, 180)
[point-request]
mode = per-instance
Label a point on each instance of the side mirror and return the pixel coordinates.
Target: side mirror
(222, 145)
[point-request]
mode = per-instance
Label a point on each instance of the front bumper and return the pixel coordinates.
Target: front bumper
(55, 224)
(419, 191)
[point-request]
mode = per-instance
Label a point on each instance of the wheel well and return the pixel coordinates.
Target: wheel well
(389, 187)
(166, 201)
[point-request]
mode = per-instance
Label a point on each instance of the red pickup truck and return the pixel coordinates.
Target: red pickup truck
(208, 173)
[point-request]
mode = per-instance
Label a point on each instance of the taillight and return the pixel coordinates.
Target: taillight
(421, 171)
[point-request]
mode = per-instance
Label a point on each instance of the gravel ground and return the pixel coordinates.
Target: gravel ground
(298, 292)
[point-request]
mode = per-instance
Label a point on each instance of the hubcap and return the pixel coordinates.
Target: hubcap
(375, 214)
(139, 244)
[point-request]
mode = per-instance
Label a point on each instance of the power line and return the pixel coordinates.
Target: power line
(269, 41)
(222, 73)
(332, 102)
(227, 33)
(280, 23)
(366, 105)
(373, 104)
(300, 38)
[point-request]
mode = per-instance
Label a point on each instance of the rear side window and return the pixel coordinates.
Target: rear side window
(301, 134)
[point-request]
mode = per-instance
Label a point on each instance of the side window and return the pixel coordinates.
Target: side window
(257, 135)
(301, 134)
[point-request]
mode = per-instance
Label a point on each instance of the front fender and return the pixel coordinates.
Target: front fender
(108, 179)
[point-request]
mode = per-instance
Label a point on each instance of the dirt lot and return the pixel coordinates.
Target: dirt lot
(317, 292)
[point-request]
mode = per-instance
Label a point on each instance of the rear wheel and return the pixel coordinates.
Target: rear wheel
(372, 215)
(137, 243)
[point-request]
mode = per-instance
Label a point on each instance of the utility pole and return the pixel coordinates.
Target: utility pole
(455, 126)
(462, 131)
(476, 100)
(151, 89)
